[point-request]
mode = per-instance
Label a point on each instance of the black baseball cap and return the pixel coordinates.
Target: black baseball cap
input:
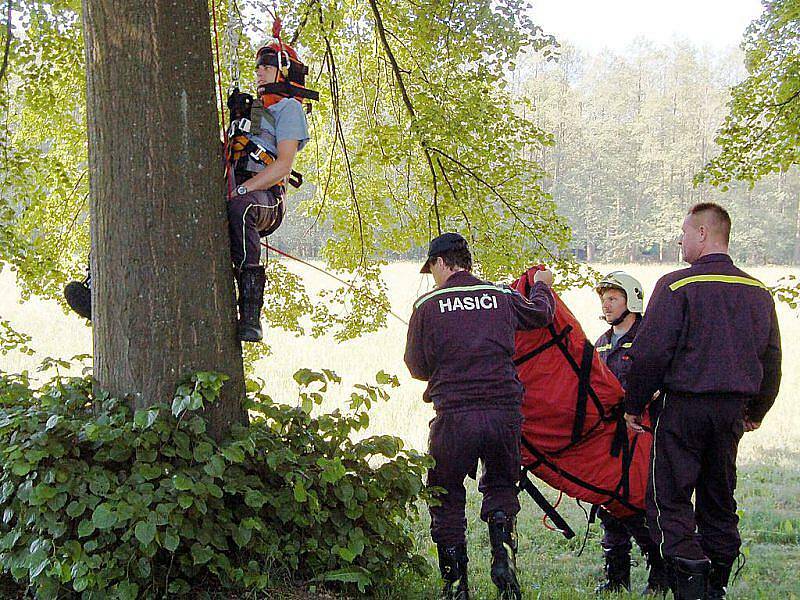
(440, 245)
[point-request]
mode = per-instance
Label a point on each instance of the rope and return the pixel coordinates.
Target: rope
(544, 516)
(219, 70)
(370, 297)
(588, 525)
(218, 78)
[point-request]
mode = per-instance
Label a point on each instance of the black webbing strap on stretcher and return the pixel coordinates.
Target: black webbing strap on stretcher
(536, 351)
(584, 385)
(583, 371)
(558, 521)
(542, 459)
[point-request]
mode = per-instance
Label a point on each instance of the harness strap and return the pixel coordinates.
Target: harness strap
(577, 368)
(561, 525)
(547, 345)
(620, 437)
(583, 391)
(542, 458)
(624, 485)
(593, 513)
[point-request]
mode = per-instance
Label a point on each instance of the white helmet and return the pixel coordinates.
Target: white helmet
(620, 280)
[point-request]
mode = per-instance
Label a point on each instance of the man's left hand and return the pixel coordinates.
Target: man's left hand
(634, 422)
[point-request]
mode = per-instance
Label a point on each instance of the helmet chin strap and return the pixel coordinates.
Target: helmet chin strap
(620, 319)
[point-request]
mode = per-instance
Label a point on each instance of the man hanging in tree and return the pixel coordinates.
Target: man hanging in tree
(264, 138)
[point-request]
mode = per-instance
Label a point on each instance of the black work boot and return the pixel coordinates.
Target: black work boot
(718, 578)
(504, 549)
(617, 570)
(78, 295)
(251, 280)
(690, 578)
(658, 577)
(453, 567)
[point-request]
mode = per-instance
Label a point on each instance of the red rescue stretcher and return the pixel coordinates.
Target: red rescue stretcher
(574, 436)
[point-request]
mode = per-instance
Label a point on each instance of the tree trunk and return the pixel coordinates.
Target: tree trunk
(162, 295)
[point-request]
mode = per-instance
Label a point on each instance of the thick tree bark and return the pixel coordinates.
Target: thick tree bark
(163, 297)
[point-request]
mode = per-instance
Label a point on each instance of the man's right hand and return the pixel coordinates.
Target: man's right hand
(545, 276)
(751, 425)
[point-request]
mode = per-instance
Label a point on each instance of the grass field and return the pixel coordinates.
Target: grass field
(769, 461)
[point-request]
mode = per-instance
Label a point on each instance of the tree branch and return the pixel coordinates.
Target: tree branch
(302, 23)
(7, 49)
(472, 173)
(390, 55)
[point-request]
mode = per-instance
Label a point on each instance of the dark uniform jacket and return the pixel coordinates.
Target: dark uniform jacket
(616, 357)
(461, 341)
(709, 330)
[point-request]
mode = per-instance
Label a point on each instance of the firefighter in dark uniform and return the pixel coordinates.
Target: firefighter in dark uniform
(710, 343)
(622, 300)
(461, 341)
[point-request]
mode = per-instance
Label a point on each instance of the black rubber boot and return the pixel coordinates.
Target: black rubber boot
(79, 296)
(690, 578)
(453, 567)
(658, 577)
(504, 549)
(617, 570)
(252, 280)
(718, 578)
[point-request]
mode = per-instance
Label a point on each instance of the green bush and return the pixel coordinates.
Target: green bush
(96, 500)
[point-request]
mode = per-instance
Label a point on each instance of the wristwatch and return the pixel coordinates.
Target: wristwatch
(241, 190)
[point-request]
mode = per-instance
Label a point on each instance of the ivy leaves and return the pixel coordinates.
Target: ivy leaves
(99, 499)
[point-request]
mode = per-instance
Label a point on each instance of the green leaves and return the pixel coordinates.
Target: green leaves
(104, 516)
(171, 541)
(201, 554)
(101, 507)
(145, 532)
(182, 482)
(761, 135)
(145, 418)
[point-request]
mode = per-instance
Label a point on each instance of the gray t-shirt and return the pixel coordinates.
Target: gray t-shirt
(615, 338)
(290, 124)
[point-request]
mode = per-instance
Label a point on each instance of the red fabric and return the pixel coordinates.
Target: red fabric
(549, 409)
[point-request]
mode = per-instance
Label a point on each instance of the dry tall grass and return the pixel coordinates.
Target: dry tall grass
(63, 335)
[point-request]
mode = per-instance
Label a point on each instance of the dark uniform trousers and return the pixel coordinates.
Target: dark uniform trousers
(617, 533)
(457, 440)
(694, 451)
(250, 217)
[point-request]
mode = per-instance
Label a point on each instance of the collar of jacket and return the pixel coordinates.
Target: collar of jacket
(457, 278)
(716, 257)
(631, 333)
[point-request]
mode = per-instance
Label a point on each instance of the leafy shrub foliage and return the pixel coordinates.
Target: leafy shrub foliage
(97, 500)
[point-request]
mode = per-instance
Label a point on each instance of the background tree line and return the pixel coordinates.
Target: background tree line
(631, 132)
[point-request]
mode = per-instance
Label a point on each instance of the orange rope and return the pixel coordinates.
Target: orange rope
(544, 517)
